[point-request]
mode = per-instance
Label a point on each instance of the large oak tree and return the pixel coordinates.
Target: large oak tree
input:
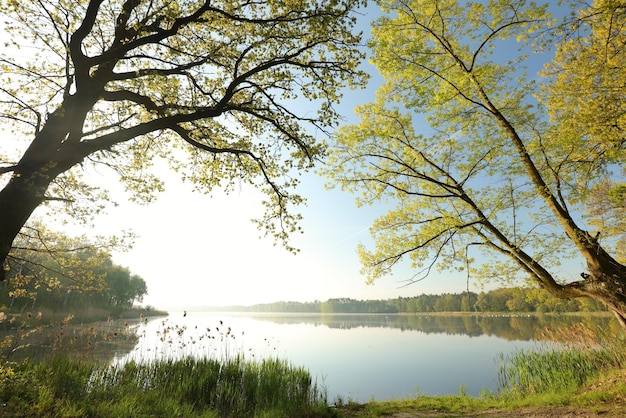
(489, 167)
(226, 91)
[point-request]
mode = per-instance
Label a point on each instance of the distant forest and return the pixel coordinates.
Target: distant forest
(518, 299)
(108, 286)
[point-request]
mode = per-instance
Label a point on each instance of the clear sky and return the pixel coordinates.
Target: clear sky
(199, 250)
(195, 250)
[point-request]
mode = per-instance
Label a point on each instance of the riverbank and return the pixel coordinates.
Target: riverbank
(584, 380)
(245, 389)
(604, 396)
(62, 386)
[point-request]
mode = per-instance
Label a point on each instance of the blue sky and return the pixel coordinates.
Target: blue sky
(223, 259)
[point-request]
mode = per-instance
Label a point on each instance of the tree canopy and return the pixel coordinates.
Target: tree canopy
(212, 87)
(491, 168)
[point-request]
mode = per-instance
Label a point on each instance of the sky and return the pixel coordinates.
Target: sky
(197, 250)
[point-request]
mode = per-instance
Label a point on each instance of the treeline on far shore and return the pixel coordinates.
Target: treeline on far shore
(515, 299)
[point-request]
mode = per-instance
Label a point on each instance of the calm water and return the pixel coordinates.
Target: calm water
(357, 357)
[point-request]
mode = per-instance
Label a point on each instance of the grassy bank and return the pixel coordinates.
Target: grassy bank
(590, 382)
(11, 320)
(182, 388)
(602, 396)
(89, 333)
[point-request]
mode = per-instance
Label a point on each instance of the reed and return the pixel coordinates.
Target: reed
(233, 387)
(581, 355)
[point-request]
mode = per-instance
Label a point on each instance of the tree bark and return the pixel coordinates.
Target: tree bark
(52, 152)
(18, 199)
(605, 282)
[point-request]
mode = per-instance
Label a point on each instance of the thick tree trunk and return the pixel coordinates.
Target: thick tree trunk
(610, 289)
(54, 150)
(19, 198)
(605, 282)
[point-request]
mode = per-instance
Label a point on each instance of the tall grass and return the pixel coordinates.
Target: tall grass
(185, 387)
(579, 355)
(230, 387)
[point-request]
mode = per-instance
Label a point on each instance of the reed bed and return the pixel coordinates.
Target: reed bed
(219, 383)
(580, 355)
(231, 387)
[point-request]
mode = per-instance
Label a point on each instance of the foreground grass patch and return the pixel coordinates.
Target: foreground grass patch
(188, 387)
(602, 396)
(583, 356)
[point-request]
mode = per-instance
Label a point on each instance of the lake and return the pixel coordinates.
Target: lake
(360, 357)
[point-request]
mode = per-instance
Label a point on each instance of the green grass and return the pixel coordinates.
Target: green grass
(188, 387)
(582, 355)
(552, 371)
(603, 395)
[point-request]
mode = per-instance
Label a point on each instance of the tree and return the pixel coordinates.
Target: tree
(53, 270)
(46, 264)
(501, 183)
(121, 288)
(210, 86)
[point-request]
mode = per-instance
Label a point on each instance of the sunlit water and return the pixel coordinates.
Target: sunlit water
(357, 357)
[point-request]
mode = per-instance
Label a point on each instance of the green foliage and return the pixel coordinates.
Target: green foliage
(517, 299)
(212, 88)
(457, 141)
(558, 369)
(54, 271)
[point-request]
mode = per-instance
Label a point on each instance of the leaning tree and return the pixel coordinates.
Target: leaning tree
(226, 91)
(494, 169)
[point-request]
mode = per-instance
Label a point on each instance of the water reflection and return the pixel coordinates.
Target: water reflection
(100, 341)
(510, 327)
(361, 356)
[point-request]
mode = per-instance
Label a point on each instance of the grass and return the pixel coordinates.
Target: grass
(220, 384)
(187, 387)
(581, 354)
(603, 395)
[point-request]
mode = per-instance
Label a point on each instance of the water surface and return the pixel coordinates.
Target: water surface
(359, 357)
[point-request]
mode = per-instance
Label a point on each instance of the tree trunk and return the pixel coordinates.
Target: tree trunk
(605, 282)
(610, 290)
(19, 198)
(54, 150)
